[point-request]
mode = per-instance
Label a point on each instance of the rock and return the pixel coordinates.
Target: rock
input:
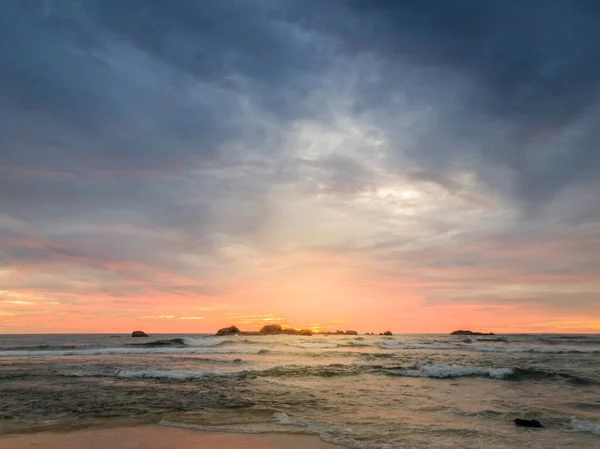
(271, 329)
(462, 332)
(139, 334)
(387, 333)
(528, 423)
(231, 330)
(351, 333)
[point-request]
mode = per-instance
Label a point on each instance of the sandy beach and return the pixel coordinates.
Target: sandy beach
(159, 437)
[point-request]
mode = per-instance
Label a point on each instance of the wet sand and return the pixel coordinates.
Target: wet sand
(159, 437)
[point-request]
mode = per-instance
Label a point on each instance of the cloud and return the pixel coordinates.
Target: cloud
(152, 149)
(502, 84)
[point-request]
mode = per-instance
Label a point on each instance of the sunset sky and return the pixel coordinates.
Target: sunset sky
(417, 165)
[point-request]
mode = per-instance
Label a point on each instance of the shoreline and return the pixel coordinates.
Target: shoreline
(155, 436)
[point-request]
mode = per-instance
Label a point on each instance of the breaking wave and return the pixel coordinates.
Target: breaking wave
(186, 341)
(451, 371)
(583, 425)
(132, 351)
(448, 371)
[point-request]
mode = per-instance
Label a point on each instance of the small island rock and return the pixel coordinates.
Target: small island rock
(231, 330)
(351, 333)
(271, 329)
(139, 334)
(387, 333)
(528, 423)
(464, 332)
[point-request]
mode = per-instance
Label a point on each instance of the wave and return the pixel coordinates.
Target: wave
(583, 425)
(448, 371)
(452, 371)
(314, 345)
(491, 339)
(203, 428)
(170, 374)
(133, 351)
(535, 350)
(159, 343)
(185, 341)
(41, 347)
(393, 346)
(206, 341)
(484, 348)
(327, 431)
(284, 370)
(357, 342)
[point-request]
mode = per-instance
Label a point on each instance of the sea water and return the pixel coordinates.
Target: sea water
(405, 391)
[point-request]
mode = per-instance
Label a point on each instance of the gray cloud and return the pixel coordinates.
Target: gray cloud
(505, 83)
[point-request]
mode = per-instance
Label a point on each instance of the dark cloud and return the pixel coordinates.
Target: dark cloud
(508, 83)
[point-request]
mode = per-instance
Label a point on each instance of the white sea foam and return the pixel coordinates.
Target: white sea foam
(207, 341)
(314, 345)
(583, 425)
(284, 418)
(443, 371)
(129, 351)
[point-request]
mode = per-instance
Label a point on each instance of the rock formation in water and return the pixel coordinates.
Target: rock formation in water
(528, 423)
(271, 329)
(231, 330)
(461, 332)
(387, 333)
(277, 329)
(139, 334)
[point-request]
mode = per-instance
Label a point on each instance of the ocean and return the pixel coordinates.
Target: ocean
(363, 392)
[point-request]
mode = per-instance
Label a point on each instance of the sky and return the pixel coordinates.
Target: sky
(415, 165)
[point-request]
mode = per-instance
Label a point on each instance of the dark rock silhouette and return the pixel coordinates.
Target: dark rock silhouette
(351, 333)
(462, 332)
(139, 334)
(387, 333)
(231, 330)
(528, 423)
(271, 329)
